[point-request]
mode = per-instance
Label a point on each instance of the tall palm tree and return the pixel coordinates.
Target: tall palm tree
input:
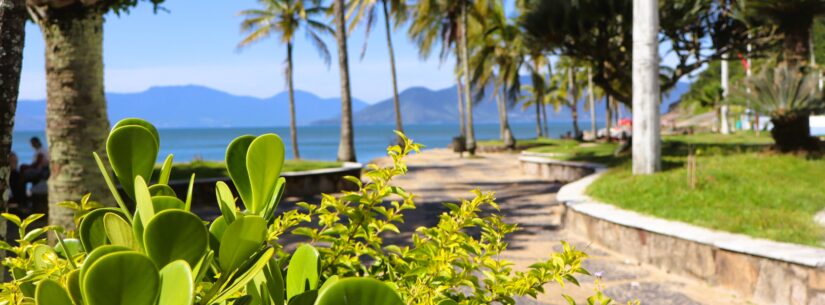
(501, 51)
(12, 34)
(392, 9)
(646, 125)
(346, 146)
(285, 18)
(533, 62)
(76, 120)
(570, 80)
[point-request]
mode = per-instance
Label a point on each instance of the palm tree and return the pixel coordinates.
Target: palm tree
(646, 138)
(793, 19)
(392, 9)
(346, 146)
(76, 120)
(12, 31)
(500, 51)
(569, 81)
(285, 18)
(538, 90)
(534, 97)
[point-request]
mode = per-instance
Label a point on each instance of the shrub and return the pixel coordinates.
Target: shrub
(161, 253)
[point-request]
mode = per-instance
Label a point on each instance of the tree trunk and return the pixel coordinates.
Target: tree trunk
(793, 133)
(461, 124)
(12, 31)
(465, 62)
(544, 117)
(575, 114)
(608, 124)
(293, 130)
(646, 126)
(504, 124)
(724, 126)
(796, 47)
(76, 119)
(395, 99)
(539, 134)
(346, 147)
(592, 97)
(573, 103)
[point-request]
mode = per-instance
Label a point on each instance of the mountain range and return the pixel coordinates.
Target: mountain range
(202, 107)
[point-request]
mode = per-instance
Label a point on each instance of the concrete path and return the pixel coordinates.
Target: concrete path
(437, 176)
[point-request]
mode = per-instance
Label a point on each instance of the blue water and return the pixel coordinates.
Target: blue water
(315, 142)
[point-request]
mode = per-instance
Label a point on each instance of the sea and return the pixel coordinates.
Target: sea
(315, 142)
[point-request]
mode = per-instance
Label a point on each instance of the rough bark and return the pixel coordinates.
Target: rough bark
(395, 99)
(458, 90)
(592, 97)
(76, 119)
(465, 62)
(12, 31)
(646, 126)
(792, 133)
(504, 124)
(608, 113)
(293, 130)
(346, 146)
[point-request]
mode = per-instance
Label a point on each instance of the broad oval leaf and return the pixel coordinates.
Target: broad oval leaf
(175, 235)
(49, 292)
(43, 256)
(240, 240)
(264, 162)
(226, 202)
(159, 204)
(161, 190)
(92, 232)
(216, 230)
(118, 231)
(359, 291)
(176, 287)
(166, 170)
(73, 285)
(70, 247)
(303, 271)
(139, 122)
(236, 166)
(132, 151)
(121, 278)
(96, 255)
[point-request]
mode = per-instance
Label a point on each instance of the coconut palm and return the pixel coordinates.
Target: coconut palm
(364, 10)
(789, 98)
(498, 60)
(76, 120)
(285, 18)
(570, 80)
(533, 63)
(346, 145)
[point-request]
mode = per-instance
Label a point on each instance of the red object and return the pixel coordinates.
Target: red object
(625, 122)
(744, 61)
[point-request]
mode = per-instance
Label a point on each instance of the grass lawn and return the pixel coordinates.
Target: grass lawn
(519, 142)
(213, 169)
(741, 187)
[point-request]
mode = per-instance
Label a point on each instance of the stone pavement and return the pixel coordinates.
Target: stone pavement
(437, 176)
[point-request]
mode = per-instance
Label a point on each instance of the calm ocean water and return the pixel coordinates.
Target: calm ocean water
(315, 142)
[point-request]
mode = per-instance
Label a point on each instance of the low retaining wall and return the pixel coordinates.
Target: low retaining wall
(763, 271)
(298, 184)
(541, 165)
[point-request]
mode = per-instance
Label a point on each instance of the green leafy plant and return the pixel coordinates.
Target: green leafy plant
(152, 250)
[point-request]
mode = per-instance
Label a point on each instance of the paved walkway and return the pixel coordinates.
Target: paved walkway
(437, 176)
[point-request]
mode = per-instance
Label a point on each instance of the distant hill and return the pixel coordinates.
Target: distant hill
(424, 106)
(198, 106)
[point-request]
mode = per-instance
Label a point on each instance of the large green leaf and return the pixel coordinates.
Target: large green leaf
(226, 202)
(96, 255)
(143, 201)
(132, 151)
(119, 231)
(121, 278)
(139, 122)
(272, 206)
(68, 248)
(303, 271)
(159, 204)
(243, 275)
(176, 287)
(216, 230)
(358, 291)
(166, 170)
(274, 282)
(264, 162)
(236, 166)
(49, 292)
(241, 239)
(92, 233)
(161, 190)
(305, 298)
(73, 285)
(175, 235)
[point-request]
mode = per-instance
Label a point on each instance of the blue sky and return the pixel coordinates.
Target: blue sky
(195, 43)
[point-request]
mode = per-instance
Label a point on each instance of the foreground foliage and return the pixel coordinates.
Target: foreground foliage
(159, 252)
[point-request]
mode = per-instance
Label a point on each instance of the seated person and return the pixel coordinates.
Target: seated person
(18, 190)
(39, 168)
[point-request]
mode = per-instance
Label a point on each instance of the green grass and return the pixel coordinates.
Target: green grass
(570, 150)
(519, 142)
(741, 187)
(214, 169)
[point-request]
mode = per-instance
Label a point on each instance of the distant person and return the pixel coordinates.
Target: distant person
(39, 168)
(17, 188)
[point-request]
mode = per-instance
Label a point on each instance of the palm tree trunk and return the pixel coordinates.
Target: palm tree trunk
(646, 126)
(76, 119)
(12, 31)
(465, 62)
(574, 112)
(346, 146)
(539, 134)
(608, 124)
(293, 130)
(395, 99)
(724, 126)
(544, 117)
(506, 133)
(592, 97)
(458, 87)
